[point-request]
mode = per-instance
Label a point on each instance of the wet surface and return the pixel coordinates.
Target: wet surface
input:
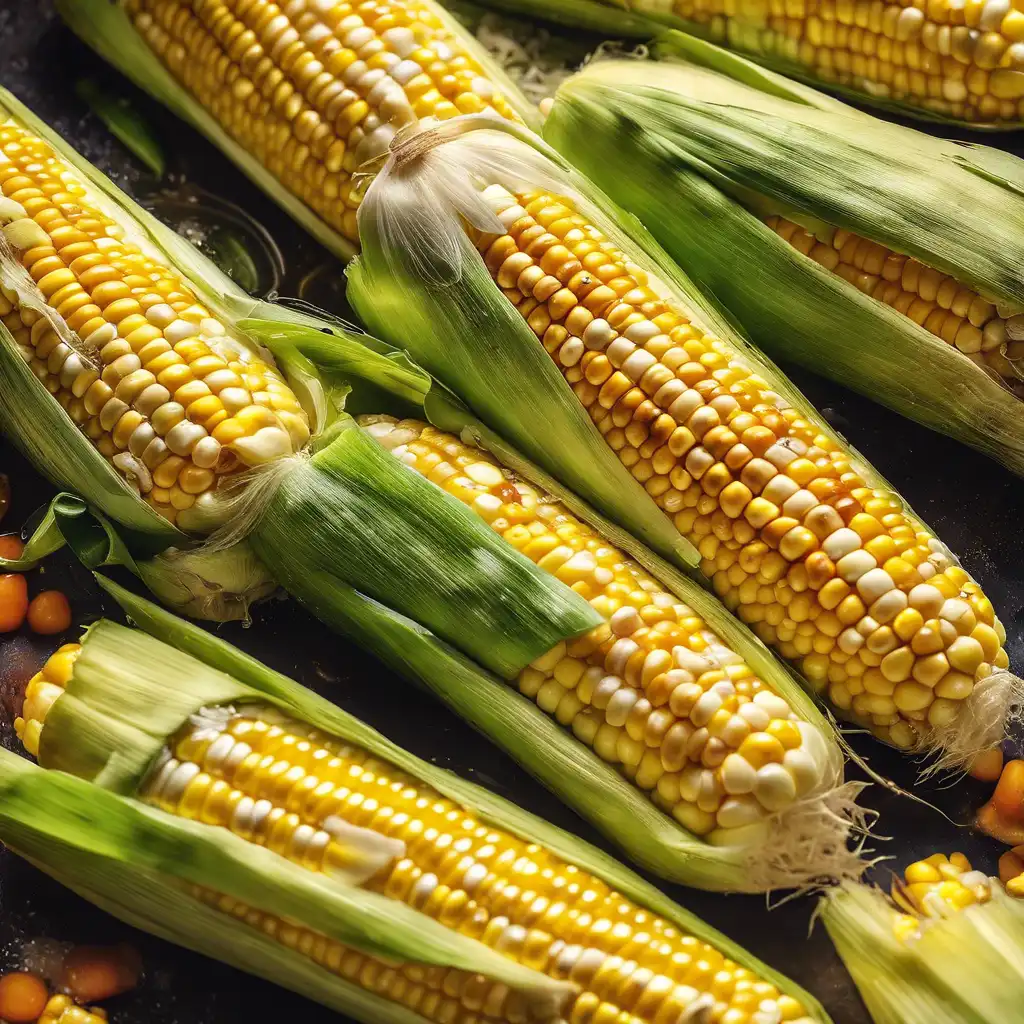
(972, 503)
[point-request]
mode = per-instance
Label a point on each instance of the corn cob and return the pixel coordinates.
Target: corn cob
(943, 60)
(935, 301)
(61, 1010)
(321, 802)
(873, 274)
(653, 690)
(165, 390)
(937, 887)
(311, 91)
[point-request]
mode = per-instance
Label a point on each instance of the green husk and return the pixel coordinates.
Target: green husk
(125, 123)
(711, 139)
(105, 27)
(964, 969)
(118, 683)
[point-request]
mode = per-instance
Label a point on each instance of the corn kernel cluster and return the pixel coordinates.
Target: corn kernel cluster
(957, 58)
(61, 1010)
(314, 89)
(158, 383)
(280, 784)
(832, 573)
(653, 690)
(937, 887)
(939, 303)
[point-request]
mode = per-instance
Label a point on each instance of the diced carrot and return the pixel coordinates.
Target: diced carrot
(94, 973)
(987, 766)
(13, 602)
(22, 997)
(49, 613)
(1003, 816)
(11, 546)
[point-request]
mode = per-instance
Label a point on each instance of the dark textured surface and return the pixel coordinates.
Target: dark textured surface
(972, 503)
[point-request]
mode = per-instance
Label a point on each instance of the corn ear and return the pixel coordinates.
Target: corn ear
(710, 137)
(109, 30)
(966, 968)
(121, 681)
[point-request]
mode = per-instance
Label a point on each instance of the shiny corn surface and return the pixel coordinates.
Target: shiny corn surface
(654, 690)
(318, 802)
(832, 573)
(955, 58)
(937, 887)
(61, 1010)
(159, 384)
(315, 89)
(42, 690)
(283, 785)
(938, 303)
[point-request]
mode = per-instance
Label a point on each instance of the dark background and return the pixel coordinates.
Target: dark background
(972, 503)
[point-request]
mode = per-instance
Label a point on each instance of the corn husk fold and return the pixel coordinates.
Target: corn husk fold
(104, 26)
(142, 685)
(710, 139)
(964, 969)
(217, 585)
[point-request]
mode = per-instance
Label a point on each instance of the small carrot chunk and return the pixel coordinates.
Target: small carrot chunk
(22, 997)
(94, 973)
(11, 546)
(987, 766)
(13, 602)
(49, 613)
(1003, 816)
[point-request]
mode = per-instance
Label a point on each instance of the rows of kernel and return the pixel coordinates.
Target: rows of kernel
(653, 690)
(314, 91)
(265, 780)
(830, 571)
(146, 384)
(964, 60)
(936, 301)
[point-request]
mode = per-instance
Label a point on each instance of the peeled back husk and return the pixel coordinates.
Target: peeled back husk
(711, 138)
(140, 687)
(966, 968)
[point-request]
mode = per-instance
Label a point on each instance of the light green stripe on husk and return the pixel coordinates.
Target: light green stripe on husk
(964, 969)
(104, 26)
(703, 147)
(223, 662)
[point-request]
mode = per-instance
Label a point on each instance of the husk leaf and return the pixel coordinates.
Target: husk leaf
(706, 149)
(964, 969)
(106, 28)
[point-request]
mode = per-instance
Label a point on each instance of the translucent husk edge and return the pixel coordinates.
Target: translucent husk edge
(140, 710)
(964, 969)
(106, 28)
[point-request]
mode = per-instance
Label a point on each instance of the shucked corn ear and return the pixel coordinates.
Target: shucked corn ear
(350, 516)
(170, 394)
(653, 690)
(302, 94)
(841, 241)
(487, 913)
(545, 311)
(946, 948)
(945, 60)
